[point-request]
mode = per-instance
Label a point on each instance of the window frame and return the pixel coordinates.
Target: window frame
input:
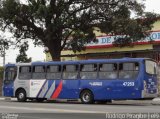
(116, 70)
(139, 65)
(81, 71)
(77, 71)
(6, 71)
(33, 69)
(25, 72)
(47, 72)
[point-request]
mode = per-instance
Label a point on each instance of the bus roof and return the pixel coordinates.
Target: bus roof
(113, 60)
(10, 65)
(80, 61)
(55, 62)
(88, 61)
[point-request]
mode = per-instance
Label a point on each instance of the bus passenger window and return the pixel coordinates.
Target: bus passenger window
(108, 71)
(54, 72)
(128, 70)
(25, 72)
(70, 71)
(10, 73)
(39, 72)
(88, 71)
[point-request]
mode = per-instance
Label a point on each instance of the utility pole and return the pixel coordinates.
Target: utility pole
(4, 55)
(3, 52)
(4, 44)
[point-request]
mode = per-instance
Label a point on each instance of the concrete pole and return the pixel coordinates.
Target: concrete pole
(4, 55)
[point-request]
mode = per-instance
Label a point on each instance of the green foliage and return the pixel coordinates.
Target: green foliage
(52, 22)
(22, 57)
(4, 45)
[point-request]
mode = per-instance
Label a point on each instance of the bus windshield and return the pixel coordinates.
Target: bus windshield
(151, 67)
(10, 73)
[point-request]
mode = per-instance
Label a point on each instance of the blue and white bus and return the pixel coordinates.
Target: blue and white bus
(87, 80)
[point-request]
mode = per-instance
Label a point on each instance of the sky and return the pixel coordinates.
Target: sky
(37, 54)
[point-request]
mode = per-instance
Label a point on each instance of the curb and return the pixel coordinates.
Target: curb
(156, 99)
(8, 98)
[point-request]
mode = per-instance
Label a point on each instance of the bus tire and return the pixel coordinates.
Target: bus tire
(87, 97)
(21, 95)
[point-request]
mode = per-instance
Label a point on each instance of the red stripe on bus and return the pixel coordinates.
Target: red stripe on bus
(57, 91)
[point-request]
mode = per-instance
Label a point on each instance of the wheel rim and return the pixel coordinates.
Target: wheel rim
(86, 97)
(21, 96)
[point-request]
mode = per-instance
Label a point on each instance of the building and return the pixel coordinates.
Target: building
(104, 48)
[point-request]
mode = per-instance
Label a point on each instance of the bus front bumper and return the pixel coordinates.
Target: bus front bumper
(145, 94)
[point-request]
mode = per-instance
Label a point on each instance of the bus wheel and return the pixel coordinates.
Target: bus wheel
(21, 96)
(86, 97)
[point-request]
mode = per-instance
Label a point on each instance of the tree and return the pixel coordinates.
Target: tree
(4, 45)
(57, 24)
(1, 73)
(22, 57)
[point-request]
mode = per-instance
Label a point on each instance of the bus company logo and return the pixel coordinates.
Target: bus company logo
(95, 83)
(34, 83)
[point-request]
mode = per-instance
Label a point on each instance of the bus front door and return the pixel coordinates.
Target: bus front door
(8, 82)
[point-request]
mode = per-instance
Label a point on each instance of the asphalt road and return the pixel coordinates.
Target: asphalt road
(72, 110)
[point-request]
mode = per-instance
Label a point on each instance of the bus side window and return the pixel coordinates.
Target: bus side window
(25, 72)
(88, 71)
(39, 72)
(128, 70)
(70, 71)
(10, 73)
(53, 72)
(108, 71)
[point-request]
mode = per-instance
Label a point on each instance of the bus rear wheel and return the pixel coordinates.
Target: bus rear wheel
(86, 97)
(21, 96)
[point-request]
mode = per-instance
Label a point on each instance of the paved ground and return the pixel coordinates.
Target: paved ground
(68, 110)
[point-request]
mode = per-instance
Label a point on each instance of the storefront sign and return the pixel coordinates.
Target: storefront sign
(106, 41)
